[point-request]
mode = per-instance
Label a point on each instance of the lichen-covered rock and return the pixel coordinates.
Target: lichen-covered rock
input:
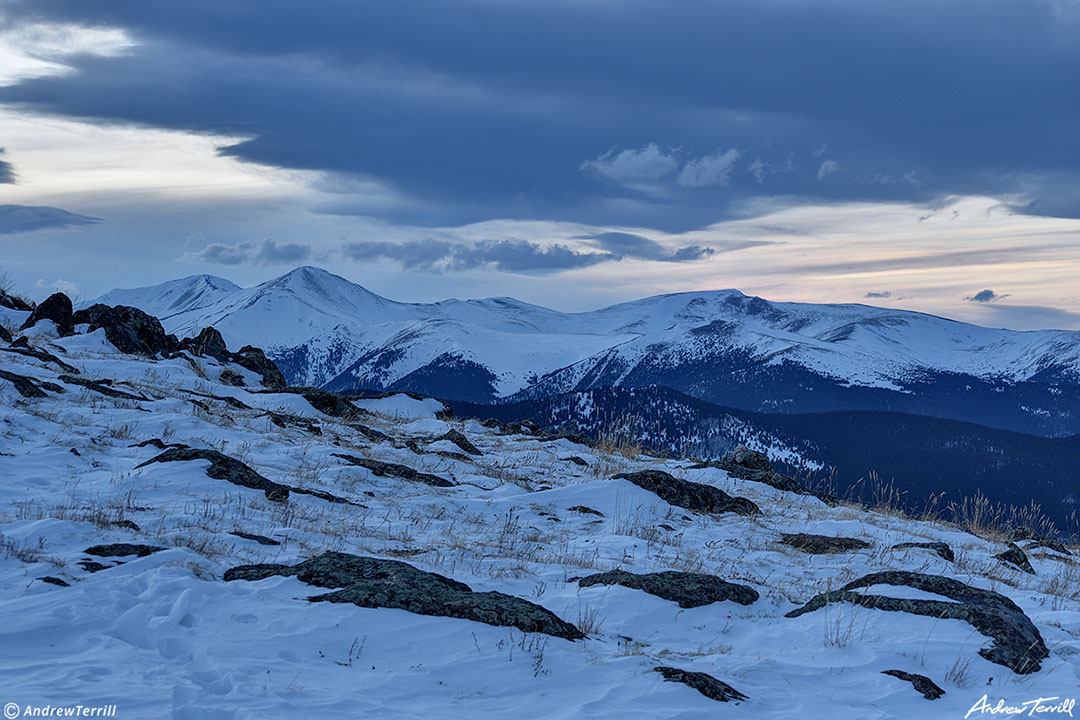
(129, 329)
(373, 582)
(123, 550)
(403, 472)
(56, 307)
(1016, 557)
(923, 684)
(704, 683)
(940, 548)
(823, 544)
(1017, 642)
(223, 467)
(255, 360)
(688, 589)
(208, 343)
(689, 495)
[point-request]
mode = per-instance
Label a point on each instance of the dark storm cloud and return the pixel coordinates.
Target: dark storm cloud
(252, 252)
(985, 296)
(27, 218)
(479, 109)
(7, 174)
(635, 246)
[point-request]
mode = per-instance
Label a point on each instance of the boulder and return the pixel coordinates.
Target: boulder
(56, 307)
(404, 472)
(823, 544)
(940, 548)
(223, 467)
(1017, 558)
(923, 684)
(129, 329)
(14, 302)
(208, 343)
(123, 550)
(1017, 642)
(689, 495)
(704, 683)
(688, 589)
(373, 583)
(326, 402)
(255, 360)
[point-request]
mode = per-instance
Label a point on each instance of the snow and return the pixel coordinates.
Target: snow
(163, 635)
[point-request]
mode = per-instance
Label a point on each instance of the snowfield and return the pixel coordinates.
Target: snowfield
(163, 635)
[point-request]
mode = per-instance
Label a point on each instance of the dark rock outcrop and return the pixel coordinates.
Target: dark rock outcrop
(575, 438)
(689, 495)
(688, 589)
(373, 582)
(100, 386)
(823, 544)
(1017, 642)
(261, 539)
(461, 441)
(326, 402)
(255, 360)
(403, 472)
(41, 355)
(123, 550)
(747, 464)
(704, 683)
(223, 467)
(208, 343)
(56, 307)
(923, 684)
(1017, 558)
(585, 510)
(940, 548)
(55, 581)
(14, 302)
(284, 420)
(129, 329)
(370, 433)
(24, 385)
(1050, 544)
(4, 334)
(576, 460)
(92, 566)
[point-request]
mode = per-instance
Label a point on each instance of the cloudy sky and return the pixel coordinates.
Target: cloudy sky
(920, 154)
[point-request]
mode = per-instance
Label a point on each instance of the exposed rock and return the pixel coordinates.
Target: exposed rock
(56, 307)
(576, 460)
(689, 495)
(223, 467)
(231, 377)
(39, 355)
(688, 589)
(747, 464)
(403, 472)
(100, 386)
(255, 360)
(4, 334)
(585, 510)
(373, 582)
(940, 548)
(370, 433)
(704, 683)
(575, 438)
(461, 441)
(284, 420)
(23, 384)
(74, 452)
(129, 329)
(923, 684)
(14, 302)
(1017, 642)
(261, 539)
(1050, 544)
(823, 544)
(92, 566)
(208, 343)
(326, 402)
(235, 403)
(524, 427)
(1016, 557)
(55, 581)
(123, 550)
(159, 444)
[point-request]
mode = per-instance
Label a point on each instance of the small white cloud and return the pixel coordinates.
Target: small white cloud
(821, 150)
(633, 167)
(757, 170)
(65, 286)
(709, 170)
(828, 167)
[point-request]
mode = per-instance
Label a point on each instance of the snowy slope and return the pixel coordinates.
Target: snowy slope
(164, 636)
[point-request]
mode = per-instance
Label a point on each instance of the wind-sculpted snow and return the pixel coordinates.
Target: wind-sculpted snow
(458, 598)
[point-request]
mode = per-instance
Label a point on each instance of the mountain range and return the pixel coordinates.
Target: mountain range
(722, 347)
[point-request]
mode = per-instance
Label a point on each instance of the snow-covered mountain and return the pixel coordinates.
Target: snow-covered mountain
(721, 346)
